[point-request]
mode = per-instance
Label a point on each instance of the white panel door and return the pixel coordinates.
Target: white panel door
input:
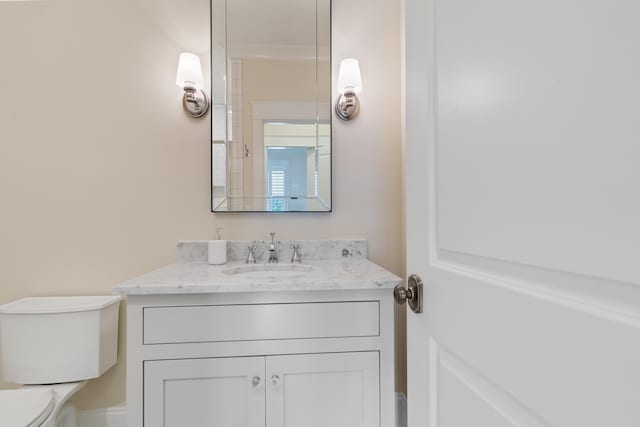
(523, 212)
(322, 390)
(220, 392)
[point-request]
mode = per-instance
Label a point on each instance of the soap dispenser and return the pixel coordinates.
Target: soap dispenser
(217, 249)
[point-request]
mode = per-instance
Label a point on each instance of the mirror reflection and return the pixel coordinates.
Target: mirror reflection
(271, 114)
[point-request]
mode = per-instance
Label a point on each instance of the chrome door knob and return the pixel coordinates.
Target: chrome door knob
(412, 295)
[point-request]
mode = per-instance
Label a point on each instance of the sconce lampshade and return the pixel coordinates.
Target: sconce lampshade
(349, 79)
(189, 78)
(349, 85)
(189, 71)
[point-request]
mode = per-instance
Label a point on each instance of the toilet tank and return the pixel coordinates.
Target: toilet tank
(48, 340)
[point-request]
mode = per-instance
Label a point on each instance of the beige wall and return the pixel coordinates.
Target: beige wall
(101, 172)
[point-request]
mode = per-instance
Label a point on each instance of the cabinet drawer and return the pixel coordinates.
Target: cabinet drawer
(213, 323)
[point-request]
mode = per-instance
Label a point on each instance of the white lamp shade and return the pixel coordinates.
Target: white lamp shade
(349, 76)
(189, 71)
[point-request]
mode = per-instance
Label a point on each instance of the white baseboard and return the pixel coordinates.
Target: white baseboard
(107, 417)
(117, 416)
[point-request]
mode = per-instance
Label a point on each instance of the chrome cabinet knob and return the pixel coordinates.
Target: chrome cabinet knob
(255, 381)
(275, 380)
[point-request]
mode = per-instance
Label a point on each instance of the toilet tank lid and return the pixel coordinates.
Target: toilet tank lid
(50, 305)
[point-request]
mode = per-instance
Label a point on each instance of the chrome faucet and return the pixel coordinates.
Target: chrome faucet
(295, 257)
(251, 257)
(273, 255)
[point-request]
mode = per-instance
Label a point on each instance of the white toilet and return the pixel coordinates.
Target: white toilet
(52, 345)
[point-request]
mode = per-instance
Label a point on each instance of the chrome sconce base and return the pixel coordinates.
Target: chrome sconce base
(195, 102)
(347, 106)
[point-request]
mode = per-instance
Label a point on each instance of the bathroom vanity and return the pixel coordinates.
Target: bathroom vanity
(304, 345)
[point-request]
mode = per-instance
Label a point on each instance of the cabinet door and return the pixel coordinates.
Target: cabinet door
(321, 390)
(221, 392)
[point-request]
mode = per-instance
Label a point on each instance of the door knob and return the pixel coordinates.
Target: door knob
(255, 382)
(411, 295)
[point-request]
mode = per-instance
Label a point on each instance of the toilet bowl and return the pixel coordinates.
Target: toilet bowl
(52, 345)
(39, 406)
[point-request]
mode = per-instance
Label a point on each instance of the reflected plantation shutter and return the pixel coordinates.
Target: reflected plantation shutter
(278, 184)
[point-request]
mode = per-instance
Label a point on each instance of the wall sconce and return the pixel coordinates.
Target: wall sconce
(349, 85)
(189, 78)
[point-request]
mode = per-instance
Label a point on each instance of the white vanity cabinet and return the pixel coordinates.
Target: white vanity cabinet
(318, 390)
(261, 359)
(313, 390)
(204, 392)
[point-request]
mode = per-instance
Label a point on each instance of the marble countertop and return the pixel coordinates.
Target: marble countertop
(200, 277)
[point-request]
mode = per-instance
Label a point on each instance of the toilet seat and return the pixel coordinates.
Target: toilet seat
(26, 407)
(39, 405)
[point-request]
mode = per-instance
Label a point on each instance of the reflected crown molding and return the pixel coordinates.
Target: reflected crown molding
(298, 111)
(273, 51)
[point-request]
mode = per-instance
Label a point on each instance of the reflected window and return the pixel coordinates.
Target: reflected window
(287, 180)
(278, 185)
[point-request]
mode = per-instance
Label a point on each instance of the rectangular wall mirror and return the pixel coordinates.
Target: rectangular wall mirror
(271, 106)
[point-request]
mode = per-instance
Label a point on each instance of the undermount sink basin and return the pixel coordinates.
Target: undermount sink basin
(269, 270)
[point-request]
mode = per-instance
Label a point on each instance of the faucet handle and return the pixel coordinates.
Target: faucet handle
(295, 257)
(251, 258)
